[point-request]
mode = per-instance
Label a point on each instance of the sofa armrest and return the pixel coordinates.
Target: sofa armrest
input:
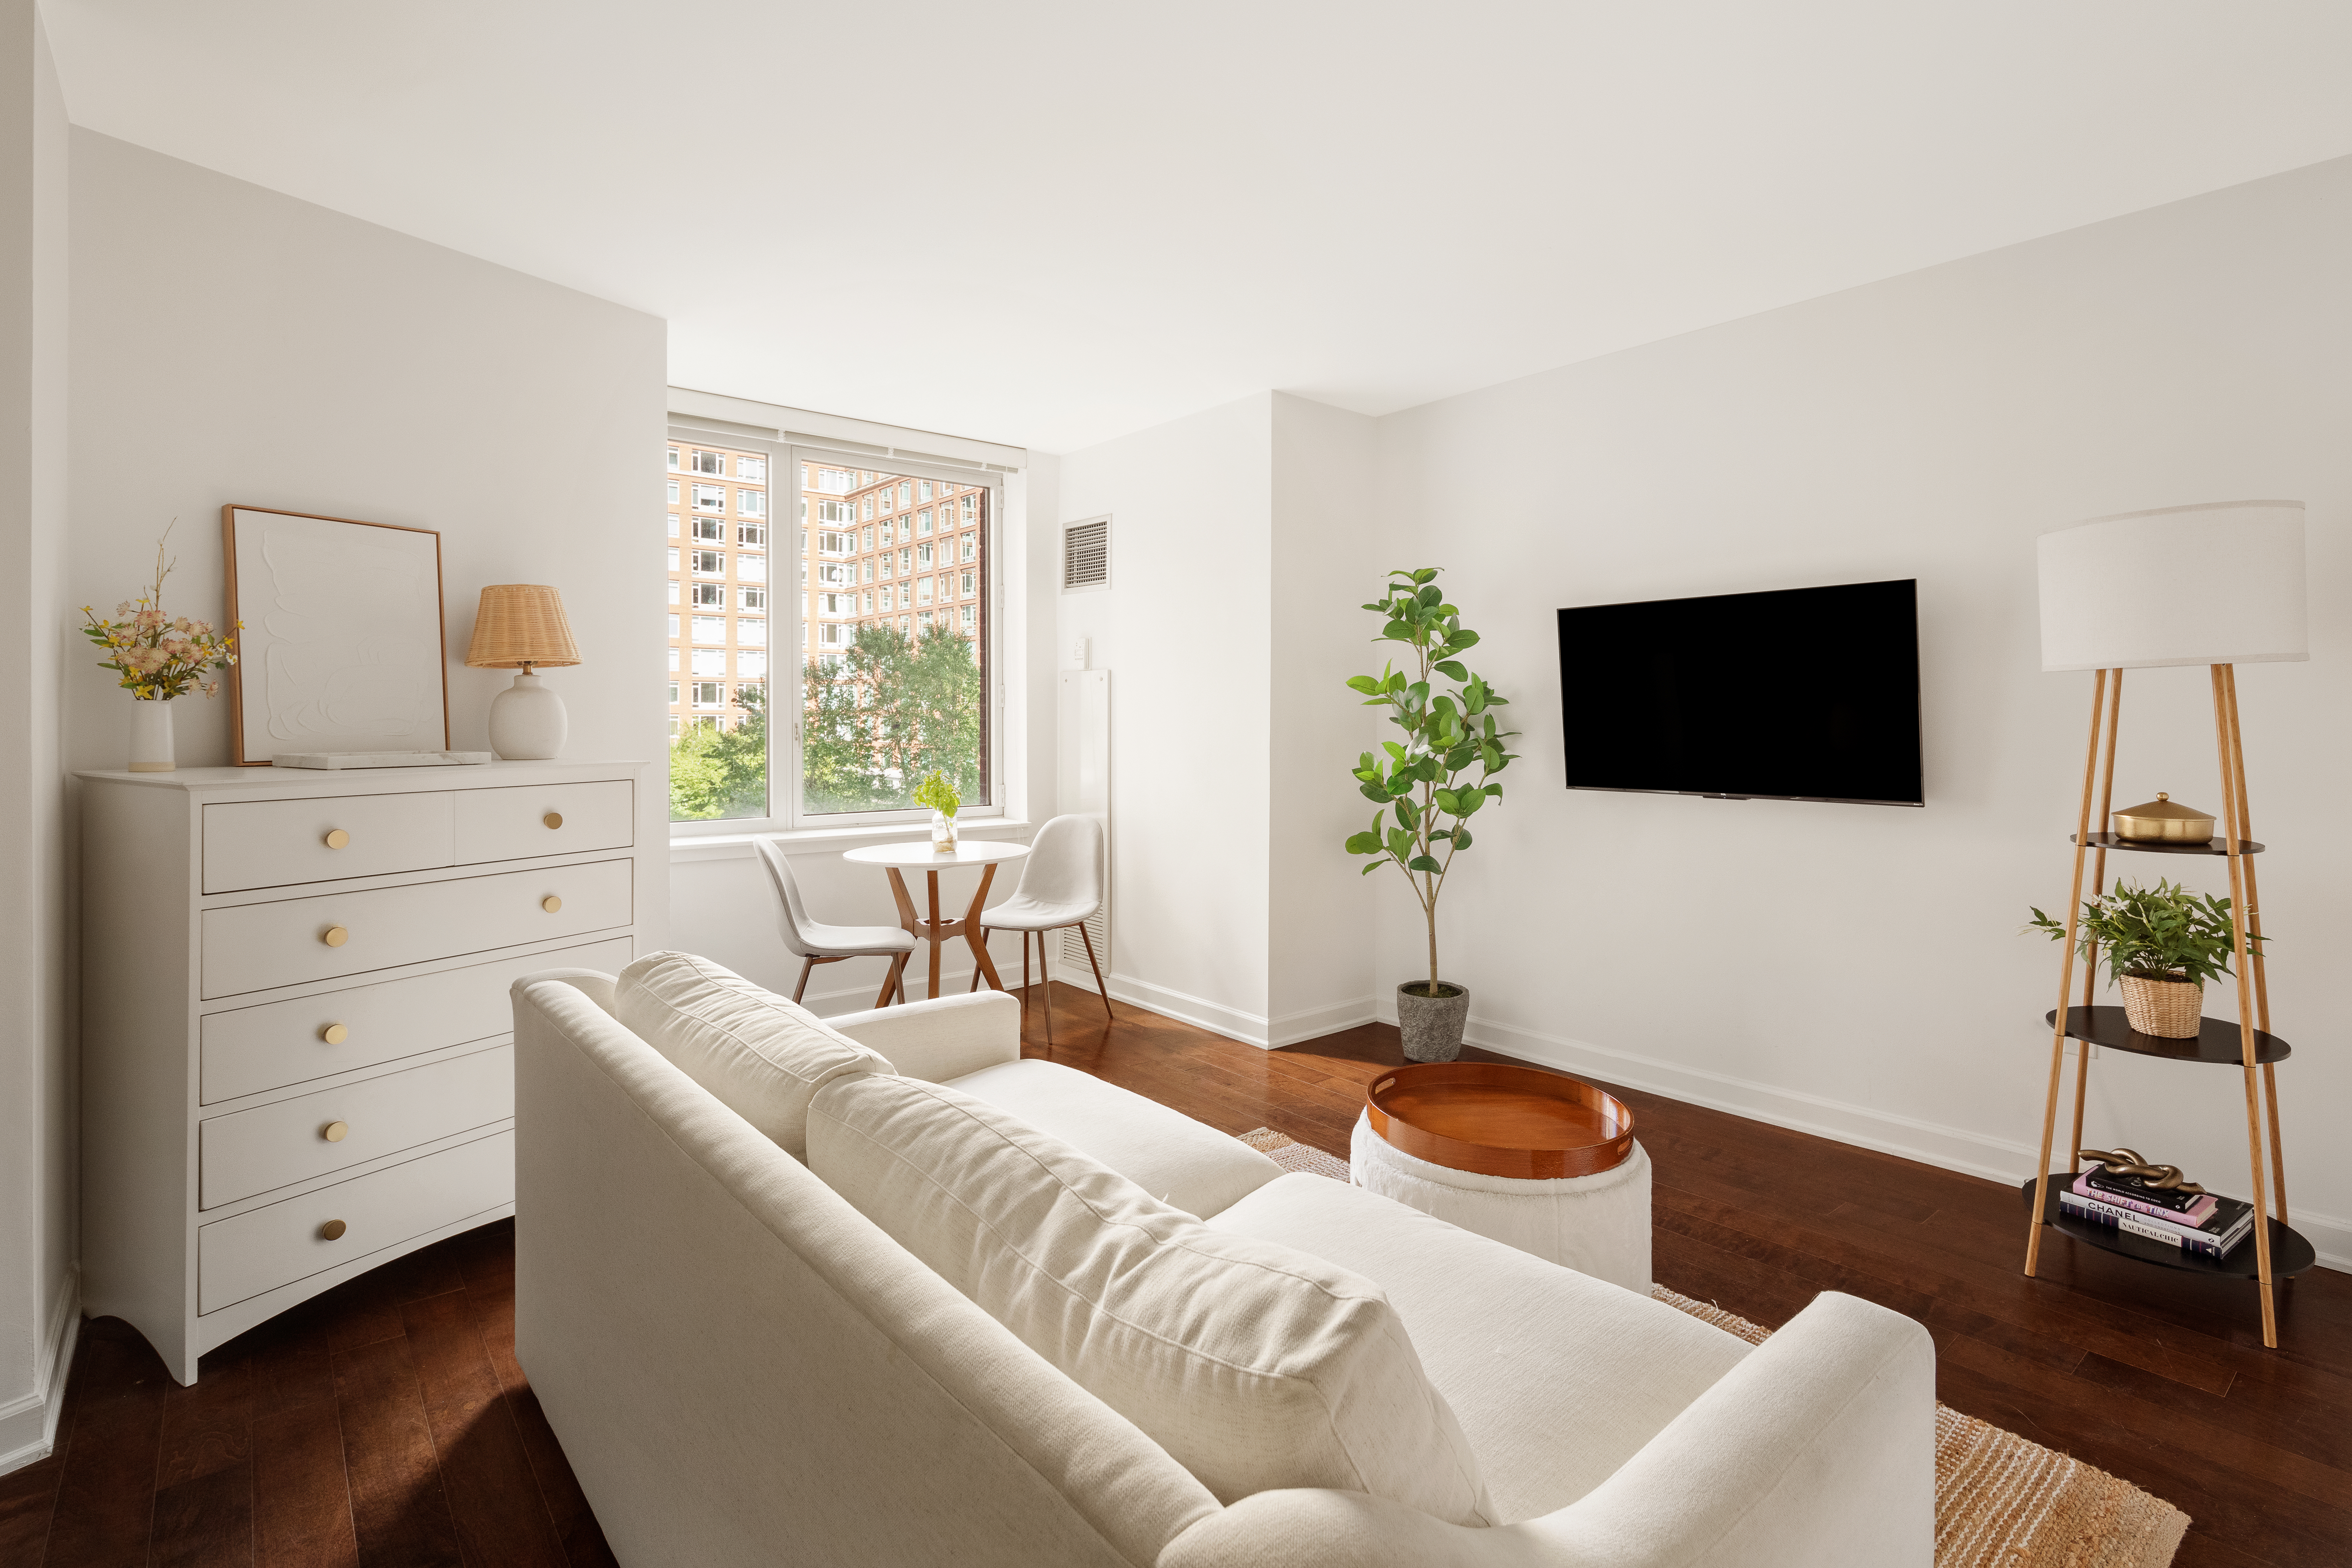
(592, 983)
(1819, 1448)
(944, 1037)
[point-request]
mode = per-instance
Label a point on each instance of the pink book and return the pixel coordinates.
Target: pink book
(2189, 1218)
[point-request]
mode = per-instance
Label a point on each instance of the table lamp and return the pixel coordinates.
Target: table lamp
(520, 625)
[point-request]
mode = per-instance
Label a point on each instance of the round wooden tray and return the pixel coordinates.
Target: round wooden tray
(1499, 1120)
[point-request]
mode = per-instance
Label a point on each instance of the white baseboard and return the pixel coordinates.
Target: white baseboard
(1249, 1028)
(28, 1424)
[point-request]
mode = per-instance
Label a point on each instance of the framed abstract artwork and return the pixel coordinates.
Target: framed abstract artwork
(342, 646)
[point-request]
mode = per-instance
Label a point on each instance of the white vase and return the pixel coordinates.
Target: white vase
(151, 737)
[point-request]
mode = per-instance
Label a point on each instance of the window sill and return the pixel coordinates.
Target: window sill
(834, 840)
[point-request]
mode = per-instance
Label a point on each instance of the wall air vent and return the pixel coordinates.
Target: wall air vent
(1085, 554)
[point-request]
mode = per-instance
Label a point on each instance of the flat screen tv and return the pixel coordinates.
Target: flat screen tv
(1801, 694)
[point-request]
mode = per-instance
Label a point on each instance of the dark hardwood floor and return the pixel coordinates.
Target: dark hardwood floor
(387, 1423)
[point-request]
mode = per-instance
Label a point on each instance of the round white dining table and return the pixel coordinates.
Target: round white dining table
(918, 856)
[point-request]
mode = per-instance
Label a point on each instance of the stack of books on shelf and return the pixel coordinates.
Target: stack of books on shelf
(2201, 1222)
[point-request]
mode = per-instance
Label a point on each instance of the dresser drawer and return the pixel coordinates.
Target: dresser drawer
(278, 1043)
(251, 1151)
(272, 843)
(287, 943)
(544, 819)
(283, 1242)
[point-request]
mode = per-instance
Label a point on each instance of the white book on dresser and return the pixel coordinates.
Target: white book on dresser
(297, 1056)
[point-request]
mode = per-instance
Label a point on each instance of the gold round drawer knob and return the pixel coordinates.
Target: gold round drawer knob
(335, 1131)
(550, 903)
(338, 839)
(332, 1230)
(334, 936)
(553, 819)
(335, 1034)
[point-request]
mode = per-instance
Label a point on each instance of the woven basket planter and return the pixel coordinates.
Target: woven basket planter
(2169, 1009)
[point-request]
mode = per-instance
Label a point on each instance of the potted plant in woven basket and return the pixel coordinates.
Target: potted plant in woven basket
(2163, 943)
(1426, 787)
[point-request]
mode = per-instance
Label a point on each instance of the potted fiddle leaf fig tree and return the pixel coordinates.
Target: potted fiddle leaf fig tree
(1425, 787)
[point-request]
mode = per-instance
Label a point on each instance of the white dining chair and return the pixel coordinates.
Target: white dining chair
(817, 943)
(1061, 885)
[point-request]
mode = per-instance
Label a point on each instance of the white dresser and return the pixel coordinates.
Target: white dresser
(297, 1054)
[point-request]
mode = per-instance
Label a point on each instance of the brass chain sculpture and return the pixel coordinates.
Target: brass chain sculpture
(2128, 1162)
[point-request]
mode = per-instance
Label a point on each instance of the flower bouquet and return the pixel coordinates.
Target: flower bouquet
(159, 657)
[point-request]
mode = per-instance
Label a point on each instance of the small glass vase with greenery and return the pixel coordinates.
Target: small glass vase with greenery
(1425, 788)
(2163, 943)
(941, 797)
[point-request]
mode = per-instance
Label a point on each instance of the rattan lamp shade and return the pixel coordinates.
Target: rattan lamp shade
(2190, 584)
(521, 624)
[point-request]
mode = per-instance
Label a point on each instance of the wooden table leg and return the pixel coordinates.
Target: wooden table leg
(932, 931)
(971, 933)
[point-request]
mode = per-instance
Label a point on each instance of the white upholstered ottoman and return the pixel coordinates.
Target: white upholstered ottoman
(1597, 1225)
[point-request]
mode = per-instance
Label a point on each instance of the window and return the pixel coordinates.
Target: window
(847, 668)
(673, 469)
(673, 685)
(673, 590)
(673, 632)
(673, 492)
(673, 653)
(673, 557)
(673, 521)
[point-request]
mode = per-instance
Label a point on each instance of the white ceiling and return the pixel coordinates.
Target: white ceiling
(1049, 223)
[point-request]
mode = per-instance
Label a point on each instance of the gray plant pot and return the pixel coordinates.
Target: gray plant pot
(1432, 1025)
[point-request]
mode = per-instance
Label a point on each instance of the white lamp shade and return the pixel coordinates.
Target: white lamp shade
(2221, 584)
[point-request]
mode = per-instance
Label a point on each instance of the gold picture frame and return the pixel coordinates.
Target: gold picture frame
(333, 656)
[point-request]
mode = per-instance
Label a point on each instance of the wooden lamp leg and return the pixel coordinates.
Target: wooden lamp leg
(2225, 735)
(2065, 981)
(2254, 940)
(2098, 886)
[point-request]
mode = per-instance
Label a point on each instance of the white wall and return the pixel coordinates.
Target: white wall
(1185, 631)
(1322, 906)
(1858, 970)
(36, 1212)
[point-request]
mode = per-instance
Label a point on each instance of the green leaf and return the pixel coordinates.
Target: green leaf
(1364, 844)
(1374, 866)
(1363, 683)
(1464, 638)
(1424, 573)
(1374, 792)
(1461, 837)
(1422, 863)
(1453, 670)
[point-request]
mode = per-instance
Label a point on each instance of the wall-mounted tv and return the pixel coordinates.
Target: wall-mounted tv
(1801, 694)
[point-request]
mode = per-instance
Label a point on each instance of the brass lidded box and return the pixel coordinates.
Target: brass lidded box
(2164, 821)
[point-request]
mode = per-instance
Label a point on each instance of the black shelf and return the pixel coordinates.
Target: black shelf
(2210, 846)
(2290, 1253)
(2217, 1040)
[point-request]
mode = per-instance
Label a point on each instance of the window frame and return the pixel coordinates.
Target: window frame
(788, 629)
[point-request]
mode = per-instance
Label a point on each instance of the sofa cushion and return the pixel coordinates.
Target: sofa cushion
(1182, 1163)
(1257, 1366)
(1559, 1378)
(758, 1054)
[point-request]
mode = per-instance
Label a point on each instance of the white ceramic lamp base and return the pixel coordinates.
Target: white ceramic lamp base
(527, 721)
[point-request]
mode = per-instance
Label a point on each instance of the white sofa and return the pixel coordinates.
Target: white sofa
(744, 1369)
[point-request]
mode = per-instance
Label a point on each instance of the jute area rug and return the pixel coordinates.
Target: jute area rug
(2002, 1501)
